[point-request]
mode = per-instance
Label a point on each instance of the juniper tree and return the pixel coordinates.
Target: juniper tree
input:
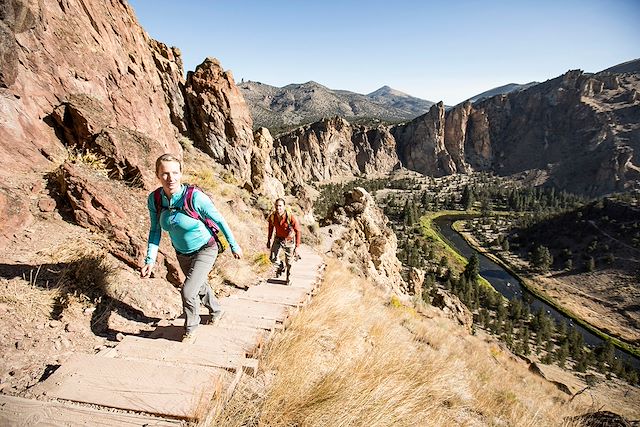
(467, 198)
(541, 258)
(472, 268)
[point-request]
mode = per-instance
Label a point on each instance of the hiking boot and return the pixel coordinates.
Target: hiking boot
(216, 316)
(288, 281)
(189, 338)
(280, 269)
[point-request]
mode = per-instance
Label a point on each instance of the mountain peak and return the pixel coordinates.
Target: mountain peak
(387, 91)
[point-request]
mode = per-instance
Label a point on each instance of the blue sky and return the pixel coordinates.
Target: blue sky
(445, 50)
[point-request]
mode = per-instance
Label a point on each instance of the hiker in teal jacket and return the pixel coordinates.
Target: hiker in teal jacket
(195, 247)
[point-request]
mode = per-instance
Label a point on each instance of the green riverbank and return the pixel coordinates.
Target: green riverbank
(427, 221)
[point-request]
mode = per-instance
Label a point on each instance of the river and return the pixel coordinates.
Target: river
(511, 287)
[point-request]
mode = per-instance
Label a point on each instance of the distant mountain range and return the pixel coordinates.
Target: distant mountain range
(281, 109)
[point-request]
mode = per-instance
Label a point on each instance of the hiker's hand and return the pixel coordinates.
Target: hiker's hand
(237, 254)
(268, 244)
(146, 270)
(295, 253)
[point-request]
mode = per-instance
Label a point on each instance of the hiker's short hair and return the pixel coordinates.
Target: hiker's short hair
(279, 199)
(167, 157)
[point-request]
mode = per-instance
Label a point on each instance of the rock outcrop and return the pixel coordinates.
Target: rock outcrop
(416, 281)
(452, 307)
(108, 208)
(168, 61)
(332, 148)
(421, 144)
(262, 175)
(368, 243)
(218, 118)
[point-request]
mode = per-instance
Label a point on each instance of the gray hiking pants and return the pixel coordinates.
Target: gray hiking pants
(196, 287)
(287, 248)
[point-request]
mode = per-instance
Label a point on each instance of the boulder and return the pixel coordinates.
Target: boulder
(452, 307)
(564, 380)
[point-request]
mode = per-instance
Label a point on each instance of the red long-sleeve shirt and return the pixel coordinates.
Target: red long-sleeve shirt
(284, 229)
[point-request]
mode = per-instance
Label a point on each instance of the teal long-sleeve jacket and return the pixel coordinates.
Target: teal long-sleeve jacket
(187, 234)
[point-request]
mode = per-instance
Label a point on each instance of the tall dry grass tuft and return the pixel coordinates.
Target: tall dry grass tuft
(350, 358)
(75, 271)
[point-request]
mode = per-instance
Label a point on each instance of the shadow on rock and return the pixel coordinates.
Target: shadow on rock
(87, 279)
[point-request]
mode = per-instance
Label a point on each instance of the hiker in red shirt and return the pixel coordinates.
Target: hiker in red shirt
(287, 237)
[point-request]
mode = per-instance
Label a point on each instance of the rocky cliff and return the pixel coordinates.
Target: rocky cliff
(581, 129)
(332, 149)
(218, 119)
(81, 77)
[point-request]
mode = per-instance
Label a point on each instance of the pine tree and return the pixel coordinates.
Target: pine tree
(472, 268)
(467, 198)
(541, 258)
(561, 354)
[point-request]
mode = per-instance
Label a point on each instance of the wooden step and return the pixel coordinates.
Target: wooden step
(179, 392)
(199, 353)
(264, 310)
(19, 412)
(231, 320)
(173, 330)
(277, 294)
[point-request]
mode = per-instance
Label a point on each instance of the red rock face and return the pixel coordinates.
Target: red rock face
(421, 144)
(72, 47)
(81, 74)
(218, 117)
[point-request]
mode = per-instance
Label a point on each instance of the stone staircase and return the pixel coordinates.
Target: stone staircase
(159, 380)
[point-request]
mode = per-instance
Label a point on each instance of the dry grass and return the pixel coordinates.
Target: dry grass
(28, 300)
(93, 160)
(349, 358)
(74, 272)
(203, 178)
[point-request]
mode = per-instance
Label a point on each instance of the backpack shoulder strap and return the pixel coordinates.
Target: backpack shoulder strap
(289, 217)
(157, 200)
(188, 202)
